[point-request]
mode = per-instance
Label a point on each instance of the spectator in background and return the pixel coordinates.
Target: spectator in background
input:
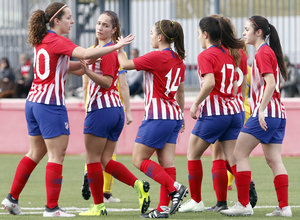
(24, 76)
(135, 78)
(7, 79)
(289, 88)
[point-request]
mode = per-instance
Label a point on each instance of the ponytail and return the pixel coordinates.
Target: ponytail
(221, 30)
(172, 33)
(37, 27)
(269, 31)
(276, 47)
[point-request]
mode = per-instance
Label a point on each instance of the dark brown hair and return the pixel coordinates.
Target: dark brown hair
(172, 33)
(115, 22)
(37, 27)
(221, 31)
(270, 33)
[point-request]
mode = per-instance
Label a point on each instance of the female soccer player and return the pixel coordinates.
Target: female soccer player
(216, 100)
(267, 122)
(220, 164)
(45, 110)
(164, 77)
(105, 120)
(108, 179)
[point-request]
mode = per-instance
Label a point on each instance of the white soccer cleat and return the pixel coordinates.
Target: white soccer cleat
(285, 212)
(11, 207)
(238, 209)
(192, 206)
(111, 199)
(56, 212)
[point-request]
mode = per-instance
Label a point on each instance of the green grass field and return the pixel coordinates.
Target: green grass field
(33, 197)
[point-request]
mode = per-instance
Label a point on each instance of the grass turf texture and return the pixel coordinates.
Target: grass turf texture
(34, 194)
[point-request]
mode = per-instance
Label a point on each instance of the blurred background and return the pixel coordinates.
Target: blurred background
(138, 17)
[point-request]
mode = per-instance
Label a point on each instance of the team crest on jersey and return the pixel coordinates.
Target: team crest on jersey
(66, 125)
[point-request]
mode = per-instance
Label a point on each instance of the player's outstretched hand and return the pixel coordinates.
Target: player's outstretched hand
(124, 41)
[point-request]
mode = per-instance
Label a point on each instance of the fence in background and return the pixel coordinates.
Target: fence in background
(138, 16)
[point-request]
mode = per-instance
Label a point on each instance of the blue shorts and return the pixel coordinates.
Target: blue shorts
(243, 116)
(218, 127)
(156, 133)
(47, 120)
(106, 123)
(273, 134)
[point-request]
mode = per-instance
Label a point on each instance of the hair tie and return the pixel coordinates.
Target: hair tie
(254, 23)
(111, 18)
(172, 23)
(164, 32)
(57, 12)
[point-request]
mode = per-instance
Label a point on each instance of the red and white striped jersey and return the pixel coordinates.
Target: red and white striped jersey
(242, 70)
(164, 71)
(221, 100)
(100, 97)
(265, 62)
(51, 65)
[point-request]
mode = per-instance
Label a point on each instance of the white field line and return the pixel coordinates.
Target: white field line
(39, 210)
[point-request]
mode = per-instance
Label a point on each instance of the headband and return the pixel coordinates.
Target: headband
(111, 18)
(254, 23)
(164, 32)
(57, 12)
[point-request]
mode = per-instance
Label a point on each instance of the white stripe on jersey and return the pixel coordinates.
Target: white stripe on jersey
(37, 92)
(171, 111)
(107, 102)
(48, 96)
(225, 109)
(217, 107)
(99, 102)
(235, 105)
(163, 109)
(272, 107)
(154, 106)
(59, 68)
(112, 97)
(43, 93)
(208, 106)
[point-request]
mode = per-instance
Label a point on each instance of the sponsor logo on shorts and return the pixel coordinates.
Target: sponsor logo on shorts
(138, 137)
(66, 125)
(245, 126)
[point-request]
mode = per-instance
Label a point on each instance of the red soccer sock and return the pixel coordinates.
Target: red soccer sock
(24, 169)
(95, 177)
(53, 183)
(233, 169)
(157, 173)
(120, 172)
(195, 179)
(242, 180)
(281, 183)
(164, 198)
(228, 167)
(220, 179)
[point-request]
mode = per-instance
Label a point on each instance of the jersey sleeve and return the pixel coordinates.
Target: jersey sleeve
(264, 62)
(108, 64)
(63, 45)
(205, 63)
(147, 62)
